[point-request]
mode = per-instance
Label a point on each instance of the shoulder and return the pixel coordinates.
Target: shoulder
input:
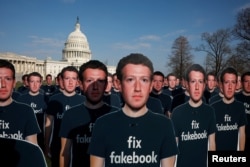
(181, 108)
(166, 96)
(179, 96)
(158, 120)
(110, 107)
(19, 151)
(207, 106)
(55, 96)
(20, 105)
(207, 109)
(216, 103)
(157, 116)
(79, 107)
(239, 104)
(109, 117)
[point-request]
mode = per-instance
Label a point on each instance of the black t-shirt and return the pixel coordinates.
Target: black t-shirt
(58, 104)
(20, 153)
(18, 121)
(229, 118)
(154, 105)
(246, 101)
(128, 141)
(77, 124)
(165, 99)
(193, 127)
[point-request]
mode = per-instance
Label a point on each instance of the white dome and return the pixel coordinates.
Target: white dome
(76, 46)
(77, 36)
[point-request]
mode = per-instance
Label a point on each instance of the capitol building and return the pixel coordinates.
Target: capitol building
(76, 51)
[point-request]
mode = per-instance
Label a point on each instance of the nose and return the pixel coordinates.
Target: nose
(196, 85)
(95, 85)
(137, 85)
(2, 83)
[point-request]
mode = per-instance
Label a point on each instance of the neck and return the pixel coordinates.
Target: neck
(238, 90)
(33, 93)
(228, 101)
(116, 90)
(245, 93)
(93, 106)
(6, 102)
(134, 112)
(195, 104)
(68, 93)
(171, 89)
(211, 90)
(107, 93)
(156, 92)
(186, 93)
(221, 94)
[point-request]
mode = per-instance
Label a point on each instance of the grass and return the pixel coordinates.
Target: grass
(48, 162)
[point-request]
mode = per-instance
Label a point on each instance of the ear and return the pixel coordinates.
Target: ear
(81, 85)
(14, 83)
(186, 85)
(151, 86)
(78, 83)
(221, 87)
(204, 87)
(119, 85)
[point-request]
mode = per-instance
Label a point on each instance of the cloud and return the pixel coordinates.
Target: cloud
(175, 33)
(136, 46)
(149, 38)
(244, 6)
(38, 41)
(247, 5)
(199, 22)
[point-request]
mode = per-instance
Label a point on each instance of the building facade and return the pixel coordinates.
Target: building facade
(76, 51)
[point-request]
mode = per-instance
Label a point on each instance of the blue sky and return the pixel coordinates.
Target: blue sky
(114, 28)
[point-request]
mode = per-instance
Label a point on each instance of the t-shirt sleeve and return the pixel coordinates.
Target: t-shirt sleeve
(212, 127)
(54, 106)
(175, 122)
(169, 146)
(65, 125)
(243, 117)
(97, 144)
(32, 126)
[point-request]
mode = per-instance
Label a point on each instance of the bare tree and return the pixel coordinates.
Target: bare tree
(243, 49)
(242, 27)
(240, 59)
(180, 57)
(217, 48)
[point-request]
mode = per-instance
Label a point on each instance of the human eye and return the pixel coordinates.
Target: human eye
(66, 78)
(246, 81)
(88, 80)
(101, 81)
(74, 78)
(234, 82)
(192, 81)
(201, 82)
(145, 80)
(129, 79)
(9, 79)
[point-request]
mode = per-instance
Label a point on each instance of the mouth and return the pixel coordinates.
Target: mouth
(137, 97)
(197, 94)
(95, 94)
